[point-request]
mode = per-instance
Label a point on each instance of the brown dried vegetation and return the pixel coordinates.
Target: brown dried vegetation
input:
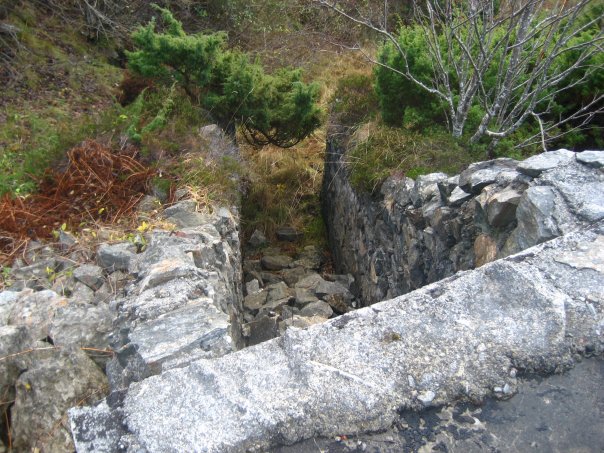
(97, 185)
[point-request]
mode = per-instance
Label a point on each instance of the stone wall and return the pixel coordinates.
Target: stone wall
(76, 324)
(415, 232)
(467, 337)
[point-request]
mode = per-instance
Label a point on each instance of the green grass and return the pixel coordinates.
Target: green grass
(30, 143)
(284, 189)
(383, 151)
(54, 102)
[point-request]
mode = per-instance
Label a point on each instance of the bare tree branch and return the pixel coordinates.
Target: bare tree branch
(518, 43)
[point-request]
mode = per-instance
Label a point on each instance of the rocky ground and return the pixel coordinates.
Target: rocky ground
(283, 291)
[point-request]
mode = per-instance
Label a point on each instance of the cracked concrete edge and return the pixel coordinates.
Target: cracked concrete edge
(466, 337)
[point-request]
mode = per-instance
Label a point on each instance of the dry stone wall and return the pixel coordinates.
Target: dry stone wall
(420, 231)
(76, 324)
(464, 338)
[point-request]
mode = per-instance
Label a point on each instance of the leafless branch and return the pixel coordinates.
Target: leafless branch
(522, 40)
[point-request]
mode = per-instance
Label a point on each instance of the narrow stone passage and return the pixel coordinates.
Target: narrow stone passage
(281, 291)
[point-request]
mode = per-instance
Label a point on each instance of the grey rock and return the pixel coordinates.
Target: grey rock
(270, 278)
(397, 191)
(310, 258)
(481, 174)
(273, 307)
(35, 275)
(13, 339)
(293, 275)
(585, 256)
(252, 287)
(149, 203)
(582, 188)
(89, 274)
(277, 291)
(329, 288)
(251, 265)
(447, 186)
(304, 296)
(318, 308)
(300, 322)
(165, 271)
(310, 282)
(426, 397)
(535, 165)
(275, 262)
(67, 239)
(255, 301)
(216, 144)
(44, 394)
(81, 294)
(83, 326)
(351, 373)
(426, 189)
(501, 207)
(181, 193)
(257, 239)
(593, 159)
(458, 197)
(263, 329)
(64, 285)
(289, 234)
(535, 215)
(7, 303)
(198, 330)
(36, 310)
(346, 280)
(339, 303)
(187, 219)
(116, 257)
(181, 206)
(36, 251)
(549, 413)
(288, 312)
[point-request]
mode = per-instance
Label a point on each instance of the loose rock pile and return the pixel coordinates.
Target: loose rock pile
(281, 291)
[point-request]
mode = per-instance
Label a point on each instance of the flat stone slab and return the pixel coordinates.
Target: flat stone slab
(593, 159)
(562, 412)
(464, 337)
(535, 165)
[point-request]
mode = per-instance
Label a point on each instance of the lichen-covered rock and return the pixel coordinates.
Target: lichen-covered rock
(44, 394)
